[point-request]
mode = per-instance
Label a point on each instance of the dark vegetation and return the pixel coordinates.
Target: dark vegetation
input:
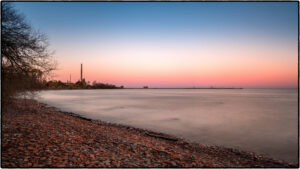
(78, 85)
(26, 61)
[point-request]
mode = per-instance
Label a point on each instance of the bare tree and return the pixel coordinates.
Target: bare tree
(26, 60)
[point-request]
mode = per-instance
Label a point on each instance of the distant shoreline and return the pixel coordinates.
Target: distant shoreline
(164, 88)
(136, 88)
(187, 88)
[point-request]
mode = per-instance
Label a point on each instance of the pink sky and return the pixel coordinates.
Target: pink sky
(178, 64)
(195, 44)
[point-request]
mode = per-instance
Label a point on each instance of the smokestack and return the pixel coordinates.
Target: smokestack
(81, 73)
(70, 79)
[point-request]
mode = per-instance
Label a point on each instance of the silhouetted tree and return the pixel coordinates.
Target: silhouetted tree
(25, 56)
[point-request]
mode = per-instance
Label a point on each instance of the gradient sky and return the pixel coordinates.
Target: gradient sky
(172, 44)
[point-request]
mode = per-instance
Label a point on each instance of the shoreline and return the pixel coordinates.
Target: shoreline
(145, 147)
(137, 88)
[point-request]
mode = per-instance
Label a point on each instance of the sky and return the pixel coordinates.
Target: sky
(171, 44)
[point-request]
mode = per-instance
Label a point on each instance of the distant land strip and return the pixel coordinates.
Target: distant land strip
(186, 88)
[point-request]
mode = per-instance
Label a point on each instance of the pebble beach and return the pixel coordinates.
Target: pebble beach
(37, 135)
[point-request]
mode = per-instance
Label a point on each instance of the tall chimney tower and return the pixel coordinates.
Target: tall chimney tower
(81, 73)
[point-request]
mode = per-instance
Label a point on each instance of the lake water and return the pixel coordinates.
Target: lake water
(259, 120)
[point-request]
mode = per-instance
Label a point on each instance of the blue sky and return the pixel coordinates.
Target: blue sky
(261, 17)
(99, 26)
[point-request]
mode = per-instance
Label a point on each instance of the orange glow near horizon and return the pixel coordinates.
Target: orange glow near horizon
(136, 65)
(259, 76)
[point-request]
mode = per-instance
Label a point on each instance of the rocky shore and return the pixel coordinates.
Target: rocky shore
(36, 135)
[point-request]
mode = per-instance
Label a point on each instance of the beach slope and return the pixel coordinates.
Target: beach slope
(36, 135)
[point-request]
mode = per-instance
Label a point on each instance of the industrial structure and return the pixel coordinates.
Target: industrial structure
(81, 73)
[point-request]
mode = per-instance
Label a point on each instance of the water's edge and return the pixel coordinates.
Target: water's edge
(179, 140)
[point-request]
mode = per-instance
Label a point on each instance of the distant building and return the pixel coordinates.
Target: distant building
(145, 87)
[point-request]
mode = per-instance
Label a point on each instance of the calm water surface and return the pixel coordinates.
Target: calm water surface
(259, 120)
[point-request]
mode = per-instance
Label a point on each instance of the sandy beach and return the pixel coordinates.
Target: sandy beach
(36, 135)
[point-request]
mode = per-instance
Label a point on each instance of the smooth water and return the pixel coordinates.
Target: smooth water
(259, 120)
